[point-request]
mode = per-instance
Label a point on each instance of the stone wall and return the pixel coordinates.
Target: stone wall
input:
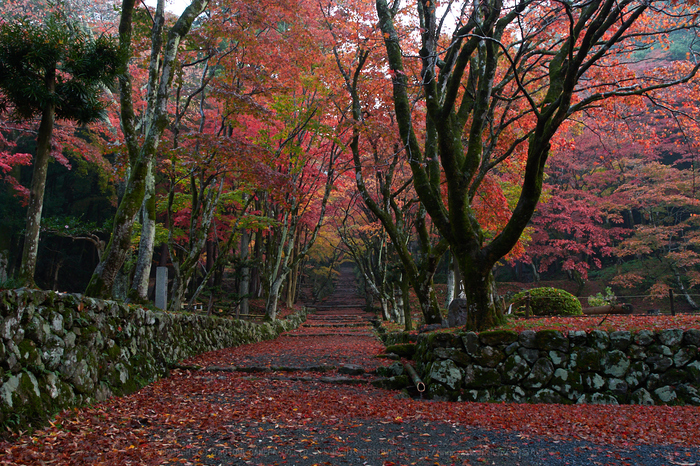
(548, 366)
(63, 350)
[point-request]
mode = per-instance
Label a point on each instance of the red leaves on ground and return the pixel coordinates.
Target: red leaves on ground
(608, 323)
(198, 417)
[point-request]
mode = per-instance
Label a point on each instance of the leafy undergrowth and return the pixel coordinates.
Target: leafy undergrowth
(607, 323)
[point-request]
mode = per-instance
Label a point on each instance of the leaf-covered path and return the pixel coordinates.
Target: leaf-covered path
(299, 400)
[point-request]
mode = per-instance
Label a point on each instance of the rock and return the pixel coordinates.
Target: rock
(498, 337)
(666, 394)
(447, 373)
(659, 363)
(671, 337)
(637, 374)
(391, 371)
(514, 369)
(481, 377)
(540, 375)
(593, 382)
(404, 350)
(489, 356)
(577, 337)
(527, 338)
(641, 397)
(692, 337)
(471, 343)
(551, 340)
(509, 393)
(585, 359)
(616, 364)
(453, 354)
(597, 399)
(477, 396)
(618, 387)
(620, 340)
(637, 352)
(598, 339)
(457, 313)
(684, 356)
(644, 338)
(693, 370)
(351, 369)
(567, 383)
(528, 354)
(547, 395)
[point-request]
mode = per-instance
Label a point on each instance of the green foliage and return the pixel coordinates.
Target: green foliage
(549, 301)
(34, 57)
(601, 299)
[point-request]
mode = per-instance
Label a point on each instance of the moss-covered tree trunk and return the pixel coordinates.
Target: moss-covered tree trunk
(38, 187)
(490, 99)
(161, 71)
(142, 272)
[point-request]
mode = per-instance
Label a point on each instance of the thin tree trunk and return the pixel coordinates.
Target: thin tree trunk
(142, 273)
(450, 279)
(115, 253)
(244, 287)
(36, 192)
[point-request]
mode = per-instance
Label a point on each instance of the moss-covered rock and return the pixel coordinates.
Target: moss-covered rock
(585, 359)
(404, 350)
(514, 369)
(641, 397)
(616, 364)
(447, 373)
(498, 337)
(551, 340)
(540, 375)
(481, 377)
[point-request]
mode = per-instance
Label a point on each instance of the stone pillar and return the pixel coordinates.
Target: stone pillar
(162, 288)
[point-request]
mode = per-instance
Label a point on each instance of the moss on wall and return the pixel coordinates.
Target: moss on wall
(63, 350)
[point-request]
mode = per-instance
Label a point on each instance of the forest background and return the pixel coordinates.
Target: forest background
(260, 146)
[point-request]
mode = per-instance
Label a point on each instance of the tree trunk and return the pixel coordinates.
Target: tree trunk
(100, 285)
(408, 319)
(244, 287)
(450, 279)
(36, 193)
(483, 306)
(142, 273)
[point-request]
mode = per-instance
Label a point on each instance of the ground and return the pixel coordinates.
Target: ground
(307, 399)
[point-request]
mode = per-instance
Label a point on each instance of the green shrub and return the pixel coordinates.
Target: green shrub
(548, 301)
(601, 299)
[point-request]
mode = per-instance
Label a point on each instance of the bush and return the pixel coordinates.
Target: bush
(547, 301)
(601, 299)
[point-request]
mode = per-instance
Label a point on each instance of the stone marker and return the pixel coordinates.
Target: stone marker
(162, 288)
(457, 312)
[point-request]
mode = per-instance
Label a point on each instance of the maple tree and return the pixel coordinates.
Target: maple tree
(381, 174)
(497, 92)
(623, 196)
(54, 71)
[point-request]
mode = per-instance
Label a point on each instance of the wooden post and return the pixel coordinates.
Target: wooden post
(670, 299)
(527, 305)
